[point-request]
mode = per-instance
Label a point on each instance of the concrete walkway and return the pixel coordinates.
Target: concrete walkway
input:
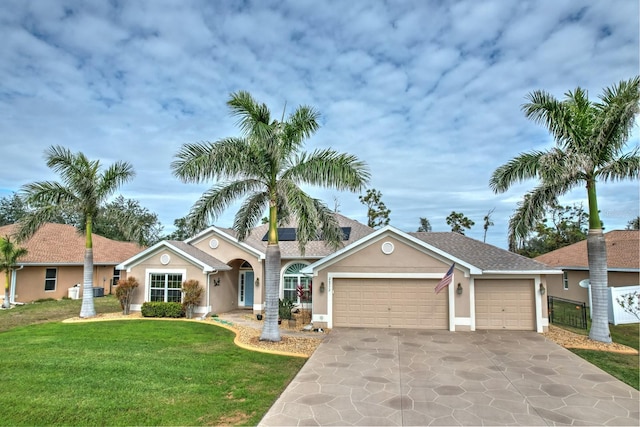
(408, 377)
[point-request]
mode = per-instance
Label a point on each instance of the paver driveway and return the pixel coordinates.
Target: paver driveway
(411, 377)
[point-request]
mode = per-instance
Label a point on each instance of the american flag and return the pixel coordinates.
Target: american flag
(446, 280)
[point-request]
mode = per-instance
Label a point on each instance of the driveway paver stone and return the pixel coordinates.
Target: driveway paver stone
(372, 377)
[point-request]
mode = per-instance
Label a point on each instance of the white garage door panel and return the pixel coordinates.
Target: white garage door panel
(505, 305)
(389, 303)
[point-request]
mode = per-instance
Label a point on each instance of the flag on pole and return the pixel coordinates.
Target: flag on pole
(446, 280)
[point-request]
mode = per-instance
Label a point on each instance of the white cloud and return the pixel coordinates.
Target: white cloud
(427, 92)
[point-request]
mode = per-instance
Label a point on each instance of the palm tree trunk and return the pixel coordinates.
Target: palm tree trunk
(88, 309)
(270, 329)
(5, 303)
(597, 254)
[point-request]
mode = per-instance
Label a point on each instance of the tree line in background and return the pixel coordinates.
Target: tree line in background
(121, 219)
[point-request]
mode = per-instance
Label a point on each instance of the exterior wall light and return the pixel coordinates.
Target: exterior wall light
(322, 287)
(257, 282)
(542, 290)
(459, 289)
(216, 281)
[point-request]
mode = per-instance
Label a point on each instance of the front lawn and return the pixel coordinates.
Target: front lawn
(625, 367)
(52, 310)
(136, 372)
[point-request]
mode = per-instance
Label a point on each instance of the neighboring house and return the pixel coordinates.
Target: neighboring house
(623, 265)
(55, 259)
(379, 278)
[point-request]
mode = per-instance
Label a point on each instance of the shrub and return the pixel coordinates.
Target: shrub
(191, 294)
(284, 308)
(124, 292)
(162, 309)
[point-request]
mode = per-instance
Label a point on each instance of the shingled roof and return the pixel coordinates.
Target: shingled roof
(61, 244)
(482, 255)
(201, 256)
(623, 253)
(313, 249)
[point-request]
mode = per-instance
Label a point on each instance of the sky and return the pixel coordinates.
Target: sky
(427, 93)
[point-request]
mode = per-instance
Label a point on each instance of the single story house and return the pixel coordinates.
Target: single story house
(623, 265)
(55, 262)
(381, 278)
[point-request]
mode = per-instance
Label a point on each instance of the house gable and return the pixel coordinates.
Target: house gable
(217, 240)
(403, 249)
(165, 248)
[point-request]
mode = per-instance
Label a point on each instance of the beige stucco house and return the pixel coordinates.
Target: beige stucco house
(380, 278)
(623, 265)
(55, 260)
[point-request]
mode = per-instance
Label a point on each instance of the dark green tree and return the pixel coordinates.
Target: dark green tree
(634, 224)
(127, 221)
(183, 229)
(83, 190)
(377, 212)
(458, 222)
(267, 166)
(12, 209)
(425, 225)
(590, 138)
(563, 226)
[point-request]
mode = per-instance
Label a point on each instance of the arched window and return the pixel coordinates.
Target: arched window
(292, 279)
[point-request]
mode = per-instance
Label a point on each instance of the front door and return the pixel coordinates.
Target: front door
(245, 289)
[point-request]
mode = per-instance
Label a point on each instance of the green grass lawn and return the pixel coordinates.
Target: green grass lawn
(52, 310)
(133, 372)
(625, 367)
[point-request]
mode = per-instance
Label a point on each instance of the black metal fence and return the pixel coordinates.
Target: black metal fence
(567, 312)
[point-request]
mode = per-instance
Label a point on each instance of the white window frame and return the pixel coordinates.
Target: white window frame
(149, 272)
(297, 276)
(565, 280)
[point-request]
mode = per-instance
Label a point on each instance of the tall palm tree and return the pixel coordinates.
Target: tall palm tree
(83, 190)
(9, 254)
(589, 141)
(266, 167)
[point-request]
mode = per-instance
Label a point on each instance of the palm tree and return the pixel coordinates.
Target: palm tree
(83, 190)
(589, 142)
(9, 254)
(266, 167)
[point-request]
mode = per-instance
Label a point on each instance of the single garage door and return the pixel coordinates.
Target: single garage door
(506, 304)
(389, 303)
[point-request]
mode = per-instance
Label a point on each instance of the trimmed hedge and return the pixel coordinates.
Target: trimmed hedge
(162, 309)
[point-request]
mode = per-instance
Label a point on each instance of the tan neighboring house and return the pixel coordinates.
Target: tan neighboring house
(54, 263)
(380, 278)
(623, 265)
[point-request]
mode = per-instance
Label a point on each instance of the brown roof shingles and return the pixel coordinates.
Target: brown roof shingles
(623, 252)
(63, 244)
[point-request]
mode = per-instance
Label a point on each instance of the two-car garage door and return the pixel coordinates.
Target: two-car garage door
(389, 303)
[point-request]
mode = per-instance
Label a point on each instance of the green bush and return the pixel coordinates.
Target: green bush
(162, 309)
(284, 308)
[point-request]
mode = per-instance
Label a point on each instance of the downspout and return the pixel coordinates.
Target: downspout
(12, 299)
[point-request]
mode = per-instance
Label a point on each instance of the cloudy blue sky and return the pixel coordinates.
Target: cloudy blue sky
(428, 93)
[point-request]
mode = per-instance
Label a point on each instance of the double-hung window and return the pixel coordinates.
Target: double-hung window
(50, 279)
(166, 287)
